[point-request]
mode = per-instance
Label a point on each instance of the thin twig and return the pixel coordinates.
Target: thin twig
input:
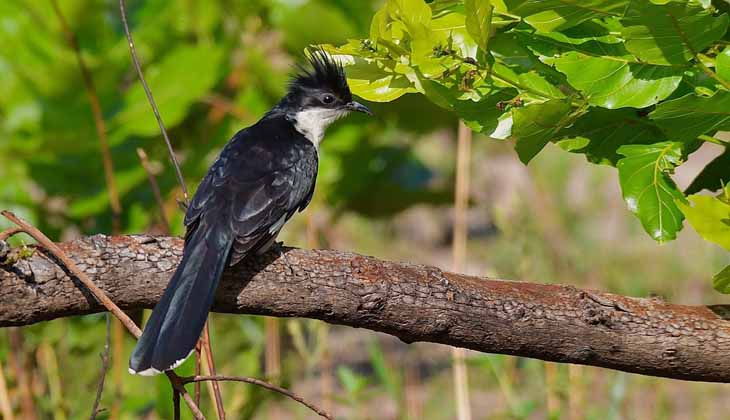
(93, 96)
(151, 100)
(263, 384)
(101, 297)
(204, 371)
(68, 262)
(155, 188)
(175, 404)
(196, 392)
(211, 369)
(4, 235)
(179, 386)
(715, 140)
(104, 368)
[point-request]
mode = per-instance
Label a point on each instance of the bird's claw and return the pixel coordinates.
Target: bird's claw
(279, 249)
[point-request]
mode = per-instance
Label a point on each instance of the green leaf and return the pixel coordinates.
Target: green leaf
(450, 29)
(685, 118)
(478, 21)
(379, 25)
(556, 15)
(713, 176)
(415, 14)
(722, 64)
(573, 144)
(179, 80)
(647, 188)
(536, 83)
(535, 125)
(606, 130)
(710, 217)
(373, 80)
(614, 83)
(481, 116)
(598, 31)
(672, 33)
(721, 280)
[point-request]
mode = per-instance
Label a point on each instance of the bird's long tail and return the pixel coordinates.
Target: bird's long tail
(178, 319)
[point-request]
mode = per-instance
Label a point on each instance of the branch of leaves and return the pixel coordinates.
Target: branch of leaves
(585, 78)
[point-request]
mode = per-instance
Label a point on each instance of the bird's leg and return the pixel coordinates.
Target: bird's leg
(278, 247)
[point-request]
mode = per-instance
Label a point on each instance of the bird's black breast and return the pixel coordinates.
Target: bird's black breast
(264, 175)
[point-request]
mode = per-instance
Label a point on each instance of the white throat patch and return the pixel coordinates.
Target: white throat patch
(312, 122)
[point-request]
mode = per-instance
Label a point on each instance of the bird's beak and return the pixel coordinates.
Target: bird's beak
(357, 106)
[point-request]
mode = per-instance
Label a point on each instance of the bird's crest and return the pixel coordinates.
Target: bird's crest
(321, 71)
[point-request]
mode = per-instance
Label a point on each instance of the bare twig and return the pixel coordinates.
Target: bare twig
(4, 235)
(211, 369)
(179, 386)
(263, 384)
(205, 370)
(155, 188)
(93, 96)
(68, 262)
(104, 368)
(151, 100)
(118, 370)
(176, 404)
(196, 393)
(272, 355)
(101, 297)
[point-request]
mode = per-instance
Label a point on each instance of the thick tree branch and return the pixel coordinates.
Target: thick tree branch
(412, 302)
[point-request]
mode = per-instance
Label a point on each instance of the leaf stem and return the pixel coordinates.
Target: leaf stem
(518, 85)
(151, 100)
(714, 140)
(712, 74)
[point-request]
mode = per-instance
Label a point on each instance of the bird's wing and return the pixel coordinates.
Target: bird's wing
(254, 189)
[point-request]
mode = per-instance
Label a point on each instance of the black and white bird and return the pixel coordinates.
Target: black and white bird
(263, 176)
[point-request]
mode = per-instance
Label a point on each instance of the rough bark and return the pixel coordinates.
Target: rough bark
(412, 302)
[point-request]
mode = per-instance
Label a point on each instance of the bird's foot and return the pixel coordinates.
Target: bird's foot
(278, 247)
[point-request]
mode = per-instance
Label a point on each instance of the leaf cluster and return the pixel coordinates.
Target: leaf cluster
(638, 85)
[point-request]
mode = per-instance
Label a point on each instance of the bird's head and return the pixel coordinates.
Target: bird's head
(318, 95)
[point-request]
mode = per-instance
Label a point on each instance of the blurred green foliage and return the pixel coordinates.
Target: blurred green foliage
(213, 68)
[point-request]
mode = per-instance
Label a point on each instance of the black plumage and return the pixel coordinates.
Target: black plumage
(263, 176)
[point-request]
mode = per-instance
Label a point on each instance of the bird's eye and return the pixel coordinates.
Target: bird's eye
(328, 99)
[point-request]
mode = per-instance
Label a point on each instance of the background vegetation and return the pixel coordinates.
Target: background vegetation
(385, 188)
